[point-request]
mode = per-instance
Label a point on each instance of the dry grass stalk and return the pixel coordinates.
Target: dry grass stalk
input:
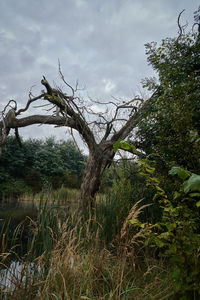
(133, 214)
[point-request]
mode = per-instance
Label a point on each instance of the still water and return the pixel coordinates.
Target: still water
(17, 211)
(17, 219)
(15, 214)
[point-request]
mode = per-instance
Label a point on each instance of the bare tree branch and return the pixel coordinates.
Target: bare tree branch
(181, 27)
(29, 103)
(115, 122)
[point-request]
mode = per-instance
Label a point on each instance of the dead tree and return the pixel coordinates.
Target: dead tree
(73, 113)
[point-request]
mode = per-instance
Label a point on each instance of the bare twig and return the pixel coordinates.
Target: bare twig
(28, 104)
(63, 79)
(181, 27)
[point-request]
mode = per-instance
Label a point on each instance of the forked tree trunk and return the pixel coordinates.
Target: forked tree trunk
(70, 115)
(97, 163)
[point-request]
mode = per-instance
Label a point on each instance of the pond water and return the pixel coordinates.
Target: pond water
(13, 213)
(15, 217)
(16, 273)
(17, 210)
(15, 230)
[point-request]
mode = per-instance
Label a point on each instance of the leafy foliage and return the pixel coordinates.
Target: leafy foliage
(38, 163)
(170, 130)
(177, 235)
(171, 126)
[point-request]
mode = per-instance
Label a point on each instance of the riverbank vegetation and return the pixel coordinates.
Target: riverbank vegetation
(66, 256)
(140, 238)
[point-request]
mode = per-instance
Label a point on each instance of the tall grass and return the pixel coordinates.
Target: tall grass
(63, 195)
(10, 241)
(95, 257)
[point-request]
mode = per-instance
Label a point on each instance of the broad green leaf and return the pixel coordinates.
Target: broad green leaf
(183, 174)
(116, 146)
(194, 136)
(198, 204)
(150, 170)
(192, 184)
(123, 145)
(193, 195)
(176, 195)
(159, 243)
(134, 221)
(165, 235)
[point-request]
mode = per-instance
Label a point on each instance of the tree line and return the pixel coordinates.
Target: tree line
(39, 164)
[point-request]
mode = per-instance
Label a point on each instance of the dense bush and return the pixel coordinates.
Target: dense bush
(39, 164)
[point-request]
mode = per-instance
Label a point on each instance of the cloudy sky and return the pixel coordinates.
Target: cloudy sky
(99, 42)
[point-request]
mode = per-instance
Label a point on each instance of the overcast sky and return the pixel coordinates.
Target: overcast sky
(99, 42)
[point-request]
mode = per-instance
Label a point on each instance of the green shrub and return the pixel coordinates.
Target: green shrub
(13, 188)
(178, 234)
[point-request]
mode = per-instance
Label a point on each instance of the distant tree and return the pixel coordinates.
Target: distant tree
(41, 161)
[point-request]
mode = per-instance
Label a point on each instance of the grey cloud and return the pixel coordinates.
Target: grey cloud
(101, 43)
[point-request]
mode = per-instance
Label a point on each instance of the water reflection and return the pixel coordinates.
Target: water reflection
(17, 273)
(17, 210)
(15, 217)
(12, 214)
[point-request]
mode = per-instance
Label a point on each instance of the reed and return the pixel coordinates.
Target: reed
(63, 195)
(74, 257)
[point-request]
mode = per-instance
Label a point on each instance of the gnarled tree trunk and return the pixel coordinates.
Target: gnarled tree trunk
(98, 160)
(71, 112)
